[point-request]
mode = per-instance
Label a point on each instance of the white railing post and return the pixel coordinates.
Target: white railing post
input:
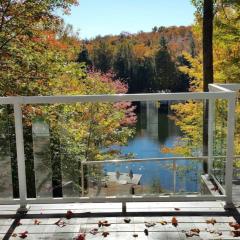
(230, 149)
(20, 155)
(211, 124)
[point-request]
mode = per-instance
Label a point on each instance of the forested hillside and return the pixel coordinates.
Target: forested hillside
(147, 61)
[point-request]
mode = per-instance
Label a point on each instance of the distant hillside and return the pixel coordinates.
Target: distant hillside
(147, 60)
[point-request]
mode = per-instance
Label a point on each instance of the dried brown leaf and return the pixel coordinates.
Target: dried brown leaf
(236, 233)
(236, 226)
(127, 220)
(36, 222)
(196, 230)
(163, 222)
(211, 221)
(105, 234)
(174, 221)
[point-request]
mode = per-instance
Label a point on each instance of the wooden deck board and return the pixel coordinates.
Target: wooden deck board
(48, 230)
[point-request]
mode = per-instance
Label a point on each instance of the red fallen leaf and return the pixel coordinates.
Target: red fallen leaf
(196, 230)
(127, 220)
(14, 235)
(135, 235)
(163, 222)
(36, 222)
(211, 221)
(69, 214)
(105, 234)
(146, 232)
(236, 233)
(81, 236)
(177, 209)
(174, 222)
(23, 234)
(60, 223)
(94, 231)
(236, 226)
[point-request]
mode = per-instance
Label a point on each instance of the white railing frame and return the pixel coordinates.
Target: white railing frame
(216, 92)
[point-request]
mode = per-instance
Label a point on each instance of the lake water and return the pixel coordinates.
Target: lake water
(154, 131)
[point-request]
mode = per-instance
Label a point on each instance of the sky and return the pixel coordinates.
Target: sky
(103, 17)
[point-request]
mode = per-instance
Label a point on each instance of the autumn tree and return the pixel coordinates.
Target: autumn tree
(38, 57)
(166, 73)
(226, 58)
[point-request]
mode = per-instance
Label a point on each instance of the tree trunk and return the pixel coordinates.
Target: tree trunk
(207, 42)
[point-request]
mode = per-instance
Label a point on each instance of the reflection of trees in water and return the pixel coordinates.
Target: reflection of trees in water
(153, 121)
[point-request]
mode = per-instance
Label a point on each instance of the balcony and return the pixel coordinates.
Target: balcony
(146, 189)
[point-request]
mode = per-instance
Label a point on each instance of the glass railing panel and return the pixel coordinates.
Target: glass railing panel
(219, 169)
(60, 137)
(144, 177)
(8, 162)
(41, 157)
(220, 128)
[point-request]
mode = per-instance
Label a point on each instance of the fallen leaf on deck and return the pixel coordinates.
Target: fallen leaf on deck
(94, 231)
(69, 214)
(150, 224)
(211, 221)
(60, 223)
(23, 234)
(14, 235)
(191, 234)
(81, 236)
(104, 224)
(196, 230)
(127, 220)
(177, 209)
(135, 235)
(218, 233)
(146, 232)
(236, 233)
(105, 234)
(174, 222)
(236, 226)
(163, 222)
(36, 222)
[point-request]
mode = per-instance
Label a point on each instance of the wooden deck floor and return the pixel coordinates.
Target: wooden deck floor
(40, 221)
